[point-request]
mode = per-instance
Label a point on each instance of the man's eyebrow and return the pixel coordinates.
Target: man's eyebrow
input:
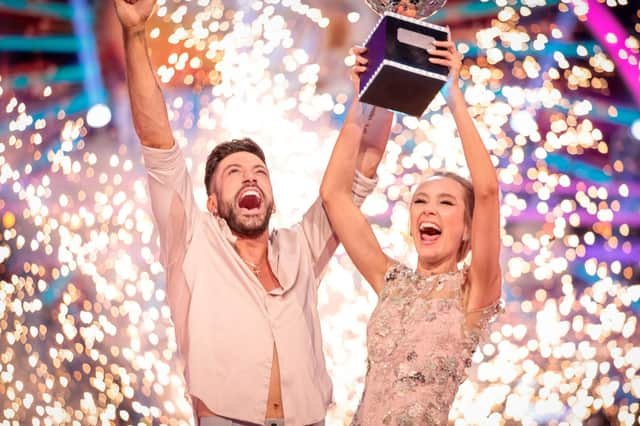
(230, 165)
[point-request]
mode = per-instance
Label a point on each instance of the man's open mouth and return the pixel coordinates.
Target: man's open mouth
(250, 199)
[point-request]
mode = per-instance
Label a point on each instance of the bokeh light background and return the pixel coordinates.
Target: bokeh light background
(554, 86)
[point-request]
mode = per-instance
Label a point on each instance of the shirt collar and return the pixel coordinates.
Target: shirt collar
(272, 257)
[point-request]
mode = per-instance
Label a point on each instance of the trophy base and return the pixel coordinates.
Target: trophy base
(399, 75)
(401, 88)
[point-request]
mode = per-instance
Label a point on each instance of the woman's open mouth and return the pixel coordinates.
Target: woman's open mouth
(429, 232)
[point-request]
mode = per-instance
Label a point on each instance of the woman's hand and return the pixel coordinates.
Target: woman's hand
(446, 53)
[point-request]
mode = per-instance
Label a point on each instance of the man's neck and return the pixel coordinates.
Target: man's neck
(253, 249)
(254, 252)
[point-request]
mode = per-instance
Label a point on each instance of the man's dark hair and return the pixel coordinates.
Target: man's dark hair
(223, 150)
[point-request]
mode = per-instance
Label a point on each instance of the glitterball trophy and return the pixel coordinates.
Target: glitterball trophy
(399, 74)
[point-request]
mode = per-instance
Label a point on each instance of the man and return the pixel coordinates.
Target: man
(243, 302)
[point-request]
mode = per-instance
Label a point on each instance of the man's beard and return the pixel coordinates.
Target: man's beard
(248, 227)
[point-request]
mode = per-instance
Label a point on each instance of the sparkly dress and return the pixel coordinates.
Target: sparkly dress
(420, 342)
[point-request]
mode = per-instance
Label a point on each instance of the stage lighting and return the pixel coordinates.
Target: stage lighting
(98, 116)
(635, 129)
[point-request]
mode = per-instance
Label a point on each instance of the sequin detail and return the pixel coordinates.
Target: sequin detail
(420, 343)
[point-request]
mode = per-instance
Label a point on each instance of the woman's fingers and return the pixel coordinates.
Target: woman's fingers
(444, 48)
(445, 53)
(447, 44)
(441, 53)
(444, 62)
(450, 59)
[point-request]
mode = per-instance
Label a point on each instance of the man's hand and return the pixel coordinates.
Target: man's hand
(374, 121)
(148, 108)
(133, 14)
(359, 67)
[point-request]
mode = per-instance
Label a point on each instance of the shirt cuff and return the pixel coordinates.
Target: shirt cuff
(362, 187)
(156, 158)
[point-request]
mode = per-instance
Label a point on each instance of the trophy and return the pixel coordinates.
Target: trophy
(399, 74)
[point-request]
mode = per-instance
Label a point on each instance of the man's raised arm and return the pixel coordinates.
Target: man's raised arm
(148, 108)
(170, 190)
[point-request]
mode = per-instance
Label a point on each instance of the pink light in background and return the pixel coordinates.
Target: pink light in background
(611, 35)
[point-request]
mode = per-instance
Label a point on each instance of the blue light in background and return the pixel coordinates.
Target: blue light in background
(99, 114)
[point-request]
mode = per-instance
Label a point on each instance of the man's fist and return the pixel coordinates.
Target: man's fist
(133, 13)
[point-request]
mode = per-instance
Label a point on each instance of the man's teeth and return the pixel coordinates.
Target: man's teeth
(250, 199)
(251, 192)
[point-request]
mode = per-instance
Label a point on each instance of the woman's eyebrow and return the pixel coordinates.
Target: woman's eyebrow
(446, 195)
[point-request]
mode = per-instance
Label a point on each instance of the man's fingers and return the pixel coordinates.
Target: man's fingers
(357, 51)
(361, 60)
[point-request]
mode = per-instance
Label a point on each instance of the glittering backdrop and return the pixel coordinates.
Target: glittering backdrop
(85, 334)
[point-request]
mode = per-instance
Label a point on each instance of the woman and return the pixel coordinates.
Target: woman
(428, 320)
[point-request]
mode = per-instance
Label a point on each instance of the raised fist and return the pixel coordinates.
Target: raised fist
(133, 13)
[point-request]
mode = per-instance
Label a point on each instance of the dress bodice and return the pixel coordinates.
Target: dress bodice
(420, 339)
